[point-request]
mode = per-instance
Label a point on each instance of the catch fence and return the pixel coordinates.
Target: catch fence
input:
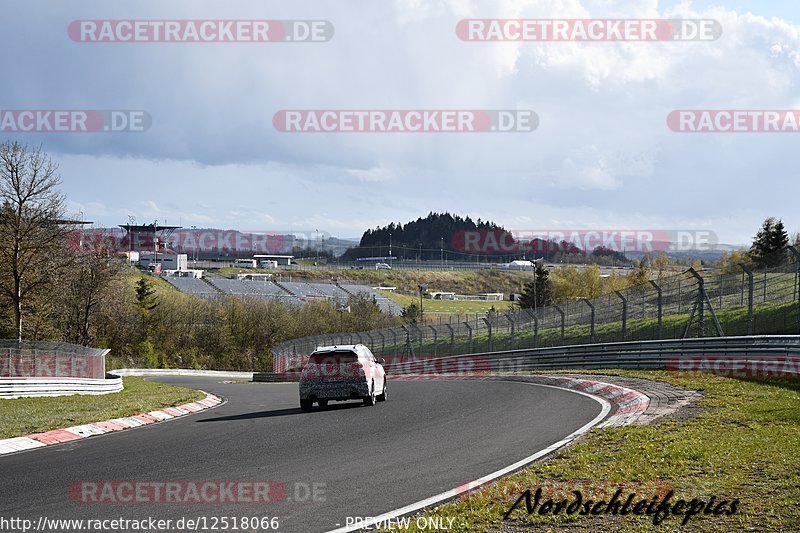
(745, 300)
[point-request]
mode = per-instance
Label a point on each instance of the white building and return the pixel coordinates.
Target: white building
(168, 260)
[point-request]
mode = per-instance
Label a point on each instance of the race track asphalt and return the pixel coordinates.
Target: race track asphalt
(347, 460)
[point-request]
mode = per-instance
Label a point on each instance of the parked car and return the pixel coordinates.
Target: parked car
(340, 373)
(383, 266)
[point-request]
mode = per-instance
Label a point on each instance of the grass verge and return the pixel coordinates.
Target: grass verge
(743, 444)
(23, 416)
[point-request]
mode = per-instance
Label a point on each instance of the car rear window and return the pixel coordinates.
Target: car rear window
(333, 358)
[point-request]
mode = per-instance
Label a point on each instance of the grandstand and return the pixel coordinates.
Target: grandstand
(385, 304)
(191, 285)
(292, 293)
(315, 290)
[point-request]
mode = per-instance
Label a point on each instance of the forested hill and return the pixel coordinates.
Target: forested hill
(430, 235)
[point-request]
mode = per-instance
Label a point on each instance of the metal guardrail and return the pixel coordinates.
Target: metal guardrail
(37, 387)
(750, 356)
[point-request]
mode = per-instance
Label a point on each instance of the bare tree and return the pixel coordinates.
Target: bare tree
(32, 233)
(82, 288)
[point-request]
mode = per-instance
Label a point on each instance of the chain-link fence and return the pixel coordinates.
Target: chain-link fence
(43, 359)
(754, 300)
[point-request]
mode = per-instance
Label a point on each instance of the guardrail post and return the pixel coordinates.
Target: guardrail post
(624, 314)
(560, 312)
(660, 303)
(512, 325)
(591, 307)
(750, 288)
(489, 328)
(469, 328)
(452, 338)
(435, 341)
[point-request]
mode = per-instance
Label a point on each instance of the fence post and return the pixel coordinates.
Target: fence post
(435, 341)
(561, 312)
(660, 303)
(591, 307)
(469, 328)
(371, 342)
(419, 332)
(797, 281)
(489, 328)
(624, 314)
(452, 337)
(383, 342)
(394, 342)
(512, 325)
(750, 288)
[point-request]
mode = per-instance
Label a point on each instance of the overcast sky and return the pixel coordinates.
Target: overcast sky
(602, 156)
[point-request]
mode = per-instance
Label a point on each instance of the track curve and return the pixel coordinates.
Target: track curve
(362, 461)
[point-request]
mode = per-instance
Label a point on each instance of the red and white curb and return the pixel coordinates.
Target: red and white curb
(57, 436)
(627, 404)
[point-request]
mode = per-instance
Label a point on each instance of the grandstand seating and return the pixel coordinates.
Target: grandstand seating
(300, 291)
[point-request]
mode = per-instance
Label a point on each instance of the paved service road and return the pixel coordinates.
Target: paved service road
(348, 460)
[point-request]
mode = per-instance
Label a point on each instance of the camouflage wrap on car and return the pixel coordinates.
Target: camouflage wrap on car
(342, 388)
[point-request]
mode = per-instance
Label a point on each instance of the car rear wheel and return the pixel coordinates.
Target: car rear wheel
(370, 400)
(382, 396)
(306, 405)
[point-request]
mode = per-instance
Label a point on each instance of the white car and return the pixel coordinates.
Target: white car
(339, 373)
(383, 266)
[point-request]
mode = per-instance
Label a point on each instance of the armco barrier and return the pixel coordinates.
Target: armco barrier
(772, 354)
(749, 356)
(33, 387)
(221, 374)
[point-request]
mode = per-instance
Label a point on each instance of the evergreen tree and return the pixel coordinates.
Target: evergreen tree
(769, 241)
(539, 292)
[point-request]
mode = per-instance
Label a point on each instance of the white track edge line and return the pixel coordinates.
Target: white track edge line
(427, 502)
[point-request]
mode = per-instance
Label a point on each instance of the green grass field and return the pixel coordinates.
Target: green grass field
(741, 445)
(451, 307)
(23, 416)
